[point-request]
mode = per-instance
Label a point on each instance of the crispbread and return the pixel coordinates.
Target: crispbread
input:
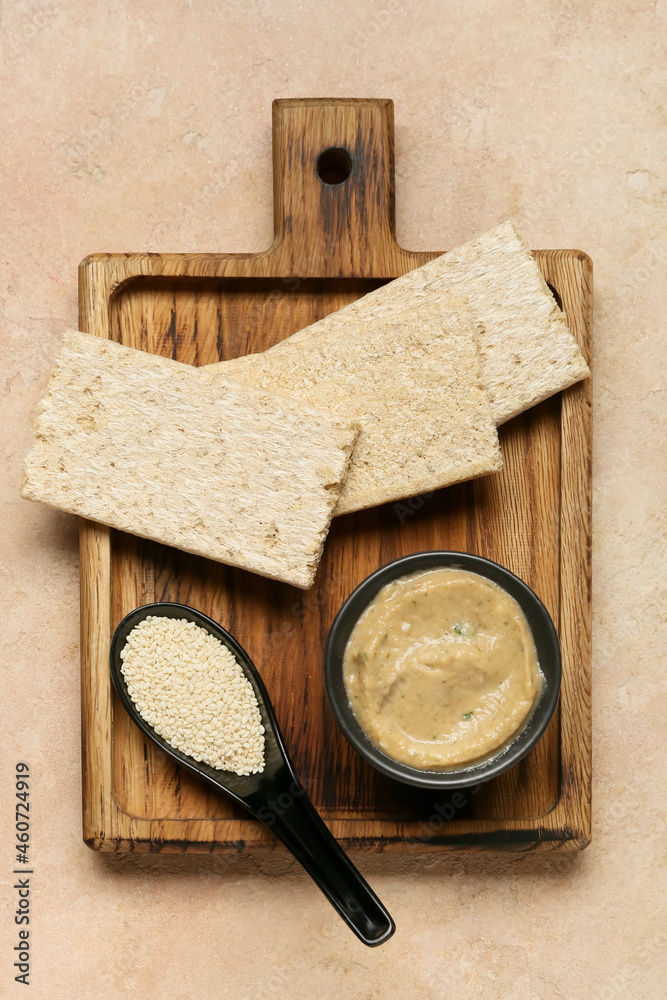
(414, 383)
(526, 351)
(190, 459)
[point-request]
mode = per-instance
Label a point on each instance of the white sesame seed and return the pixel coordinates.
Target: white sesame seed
(189, 686)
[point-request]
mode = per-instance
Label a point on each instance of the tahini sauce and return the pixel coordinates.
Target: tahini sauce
(441, 668)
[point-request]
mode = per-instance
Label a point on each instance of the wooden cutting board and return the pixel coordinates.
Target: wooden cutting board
(333, 163)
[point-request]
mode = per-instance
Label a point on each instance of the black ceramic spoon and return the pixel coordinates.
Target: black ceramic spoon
(275, 796)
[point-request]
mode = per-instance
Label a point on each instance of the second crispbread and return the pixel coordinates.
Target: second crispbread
(413, 381)
(526, 351)
(208, 465)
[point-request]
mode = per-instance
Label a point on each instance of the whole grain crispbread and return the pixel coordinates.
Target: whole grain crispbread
(526, 351)
(414, 383)
(190, 459)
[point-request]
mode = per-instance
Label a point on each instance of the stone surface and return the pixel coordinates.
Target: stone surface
(147, 126)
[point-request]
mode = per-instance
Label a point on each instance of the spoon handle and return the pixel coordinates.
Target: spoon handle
(304, 833)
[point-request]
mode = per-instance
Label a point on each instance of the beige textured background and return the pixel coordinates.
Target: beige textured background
(146, 125)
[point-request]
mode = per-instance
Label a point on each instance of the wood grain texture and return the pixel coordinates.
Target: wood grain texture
(334, 243)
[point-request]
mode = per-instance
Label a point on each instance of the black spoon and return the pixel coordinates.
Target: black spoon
(275, 796)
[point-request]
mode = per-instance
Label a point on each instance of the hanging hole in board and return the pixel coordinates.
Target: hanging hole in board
(559, 301)
(333, 166)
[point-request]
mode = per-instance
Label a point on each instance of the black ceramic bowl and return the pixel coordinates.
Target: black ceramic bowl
(548, 655)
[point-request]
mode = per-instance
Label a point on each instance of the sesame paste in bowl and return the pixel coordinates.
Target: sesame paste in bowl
(441, 668)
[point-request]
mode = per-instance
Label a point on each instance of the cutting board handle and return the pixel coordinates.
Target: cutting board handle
(333, 171)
